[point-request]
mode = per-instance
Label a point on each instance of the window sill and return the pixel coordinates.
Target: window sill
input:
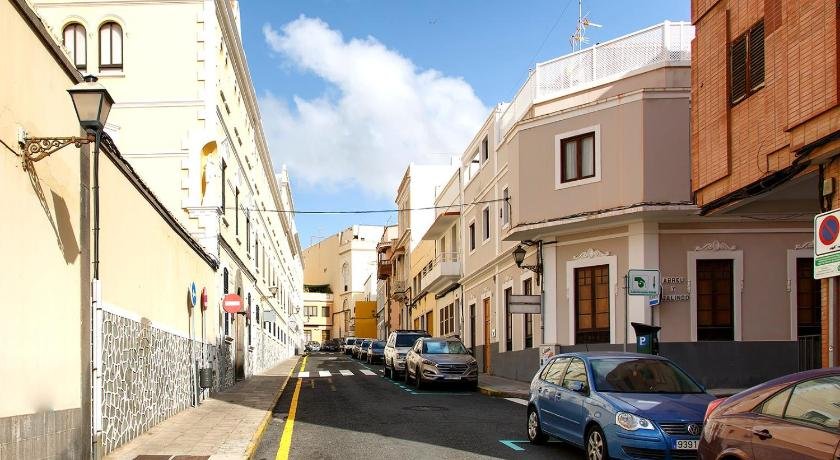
(575, 183)
(111, 73)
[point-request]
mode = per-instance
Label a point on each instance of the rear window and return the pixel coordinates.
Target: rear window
(407, 340)
(378, 345)
(351, 341)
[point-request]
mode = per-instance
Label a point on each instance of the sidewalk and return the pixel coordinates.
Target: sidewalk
(501, 387)
(224, 426)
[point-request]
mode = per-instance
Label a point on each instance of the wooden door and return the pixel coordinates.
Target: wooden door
(486, 336)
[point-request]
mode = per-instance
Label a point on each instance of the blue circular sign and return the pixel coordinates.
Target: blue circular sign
(193, 294)
(828, 231)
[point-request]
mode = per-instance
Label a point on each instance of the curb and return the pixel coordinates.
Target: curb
(257, 438)
(489, 391)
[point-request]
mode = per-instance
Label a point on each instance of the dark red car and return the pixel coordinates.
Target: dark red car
(792, 417)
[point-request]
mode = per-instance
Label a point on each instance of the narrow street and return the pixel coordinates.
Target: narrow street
(348, 408)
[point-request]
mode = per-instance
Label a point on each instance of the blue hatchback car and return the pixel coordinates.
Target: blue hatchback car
(618, 405)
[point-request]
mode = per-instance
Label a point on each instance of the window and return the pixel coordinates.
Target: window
(236, 205)
(529, 319)
(325, 312)
(75, 40)
(485, 149)
(248, 233)
(808, 308)
(505, 206)
(575, 373)
(257, 252)
(110, 46)
(485, 215)
(225, 288)
(249, 312)
(746, 67)
(813, 402)
(472, 167)
(447, 319)
(592, 304)
(553, 373)
(311, 310)
(715, 300)
(472, 236)
(577, 159)
(508, 321)
(224, 185)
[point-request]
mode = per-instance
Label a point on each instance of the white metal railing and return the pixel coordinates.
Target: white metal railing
(600, 63)
(446, 257)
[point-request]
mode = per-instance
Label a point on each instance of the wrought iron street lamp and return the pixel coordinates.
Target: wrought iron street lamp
(519, 256)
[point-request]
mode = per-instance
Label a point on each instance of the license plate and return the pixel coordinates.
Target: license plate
(452, 377)
(686, 444)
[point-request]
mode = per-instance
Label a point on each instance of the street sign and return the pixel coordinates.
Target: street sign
(193, 295)
(643, 282)
(826, 244)
(203, 299)
(232, 303)
(529, 304)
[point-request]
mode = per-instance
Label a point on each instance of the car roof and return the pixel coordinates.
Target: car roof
(440, 339)
(610, 354)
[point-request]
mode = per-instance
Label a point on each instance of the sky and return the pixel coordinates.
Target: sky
(352, 91)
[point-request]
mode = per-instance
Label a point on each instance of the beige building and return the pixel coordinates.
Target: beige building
(340, 266)
(422, 305)
(387, 309)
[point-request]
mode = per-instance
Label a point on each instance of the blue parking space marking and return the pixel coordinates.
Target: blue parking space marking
(512, 444)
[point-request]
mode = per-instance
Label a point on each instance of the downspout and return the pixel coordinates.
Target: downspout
(98, 449)
(463, 251)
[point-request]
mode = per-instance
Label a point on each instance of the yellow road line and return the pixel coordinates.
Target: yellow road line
(288, 428)
(255, 440)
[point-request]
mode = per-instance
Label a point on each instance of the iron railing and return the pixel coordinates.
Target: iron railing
(810, 352)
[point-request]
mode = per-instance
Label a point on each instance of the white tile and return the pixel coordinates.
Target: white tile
(324, 373)
(302, 375)
(367, 372)
(345, 372)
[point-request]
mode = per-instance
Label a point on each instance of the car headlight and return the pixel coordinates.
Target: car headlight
(428, 362)
(473, 363)
(632, 422)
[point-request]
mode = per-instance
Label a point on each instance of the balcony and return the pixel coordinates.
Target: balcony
(662, 44)
(384, 269)
(444, 272)
(398, 290)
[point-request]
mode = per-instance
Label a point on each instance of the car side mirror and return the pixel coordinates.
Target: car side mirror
(469, 351)
(577, 386)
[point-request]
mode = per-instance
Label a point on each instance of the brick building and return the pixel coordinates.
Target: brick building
(765, 134)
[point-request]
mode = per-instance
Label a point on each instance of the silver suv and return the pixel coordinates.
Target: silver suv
(440, 360)
(399, 342)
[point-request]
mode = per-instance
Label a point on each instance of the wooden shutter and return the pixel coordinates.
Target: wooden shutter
(756, 50)
(738, 69)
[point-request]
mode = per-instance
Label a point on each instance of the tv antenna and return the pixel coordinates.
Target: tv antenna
(578, 39)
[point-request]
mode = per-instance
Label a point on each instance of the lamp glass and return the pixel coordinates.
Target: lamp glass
(92, 103)
(519, 255)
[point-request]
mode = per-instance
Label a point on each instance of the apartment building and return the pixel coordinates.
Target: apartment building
(339, 266)
(765, 136)
(422, 305)
(387, 309)
(588, 171)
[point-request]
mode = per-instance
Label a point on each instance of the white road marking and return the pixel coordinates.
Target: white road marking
(367, 372)
(518, 401)
(345, 372)
(324, 373)
(302, 375)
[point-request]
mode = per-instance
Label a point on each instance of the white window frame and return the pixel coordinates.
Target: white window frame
(571, 265)
(558, 162)
(486, 224)
(484, 153)
(737, 257)
(505, 204)
(471, 239)
(792, 285)
(503, 318)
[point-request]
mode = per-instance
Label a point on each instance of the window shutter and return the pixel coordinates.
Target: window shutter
(738, 69)
(756, 50)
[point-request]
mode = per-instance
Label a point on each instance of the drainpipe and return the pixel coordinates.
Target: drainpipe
(461, 256)
(98, 450)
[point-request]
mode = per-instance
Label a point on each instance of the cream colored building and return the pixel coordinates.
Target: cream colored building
(193, 133)
(422, 305)
(340, 265)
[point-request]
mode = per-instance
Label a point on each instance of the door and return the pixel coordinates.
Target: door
(472, 329)
(429, 323)
(808, 314)
(715, 300)
(486, 336)
(548, 394)
(239, 358)
(570, 402)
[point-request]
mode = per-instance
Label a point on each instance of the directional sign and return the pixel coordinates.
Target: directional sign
(827, 244)
(524, 304)
(643, 282)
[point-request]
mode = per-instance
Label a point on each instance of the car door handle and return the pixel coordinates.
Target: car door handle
(763, 434)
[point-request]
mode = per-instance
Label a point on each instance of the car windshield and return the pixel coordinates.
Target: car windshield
(641, 375)
(444, 348)
(351, 341)
(407, 340)
(378, 345)
(365, 343)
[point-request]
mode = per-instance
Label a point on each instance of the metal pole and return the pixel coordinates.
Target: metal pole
(97, 450)
(542, 291)
(626, 311)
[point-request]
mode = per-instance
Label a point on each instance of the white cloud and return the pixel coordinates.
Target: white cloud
(379, 113)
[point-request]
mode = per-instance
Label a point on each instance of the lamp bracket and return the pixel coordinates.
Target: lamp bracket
(533, 268)
(38, 148)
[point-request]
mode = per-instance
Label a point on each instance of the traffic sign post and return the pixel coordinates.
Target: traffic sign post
(639, 282)
(827, 244)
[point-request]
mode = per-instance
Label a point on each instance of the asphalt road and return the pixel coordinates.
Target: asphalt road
(357, 415)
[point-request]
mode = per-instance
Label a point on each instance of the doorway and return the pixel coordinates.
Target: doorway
(472, 328)
(239, 358)
(486, 362)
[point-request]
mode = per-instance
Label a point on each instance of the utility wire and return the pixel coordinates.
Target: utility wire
(368, 211)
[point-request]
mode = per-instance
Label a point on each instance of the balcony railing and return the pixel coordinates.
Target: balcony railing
(599, 64)
(398, 290)
(442, 272)
(384, 269)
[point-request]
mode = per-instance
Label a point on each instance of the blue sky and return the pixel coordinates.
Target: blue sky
(351, 91)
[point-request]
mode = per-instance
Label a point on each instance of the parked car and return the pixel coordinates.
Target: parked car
(440, 360)
(398, 344)
(795, 416)
(331, 345)
(360, 349)
(348, 345)
(376, 351)
(617, 405)
(312, 346)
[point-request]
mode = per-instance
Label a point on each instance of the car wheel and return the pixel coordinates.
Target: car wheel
(535, 432)
(418, 379)
(596, 445)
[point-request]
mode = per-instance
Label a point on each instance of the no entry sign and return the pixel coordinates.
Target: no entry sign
(827, 245)
(232, 303)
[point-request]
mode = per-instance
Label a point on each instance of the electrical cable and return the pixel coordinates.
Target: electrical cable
(367, 211)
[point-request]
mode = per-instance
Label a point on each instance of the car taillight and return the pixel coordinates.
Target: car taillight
(711, 408)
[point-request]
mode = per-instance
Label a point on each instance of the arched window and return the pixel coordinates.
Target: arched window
(75, 40)
(110, 46)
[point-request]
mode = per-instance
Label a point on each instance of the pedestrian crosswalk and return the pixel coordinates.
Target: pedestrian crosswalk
(342, 372)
